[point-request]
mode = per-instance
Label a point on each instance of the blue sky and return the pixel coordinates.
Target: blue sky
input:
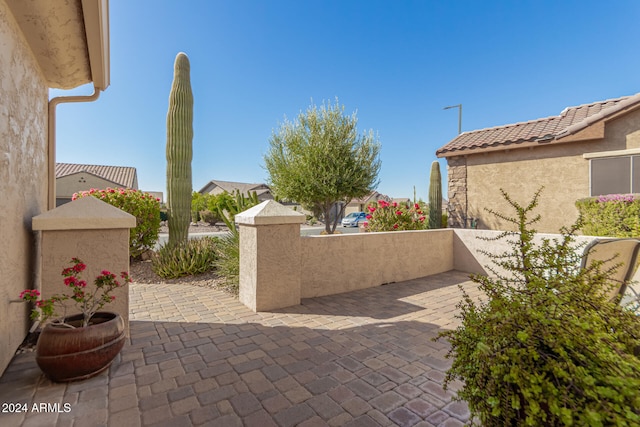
(398, 63)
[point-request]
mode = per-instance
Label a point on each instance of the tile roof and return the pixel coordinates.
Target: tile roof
(570, 121)
(230, 187)
(123, 176)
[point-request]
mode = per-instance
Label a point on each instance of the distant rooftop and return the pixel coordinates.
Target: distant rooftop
(570, 121)
(123, 176)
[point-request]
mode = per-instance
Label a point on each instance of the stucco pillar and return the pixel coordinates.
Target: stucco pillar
(269, 256)
(93, 231)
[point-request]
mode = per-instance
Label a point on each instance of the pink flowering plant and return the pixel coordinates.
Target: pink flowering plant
(144, 206)
(393, 216)
(87, 300)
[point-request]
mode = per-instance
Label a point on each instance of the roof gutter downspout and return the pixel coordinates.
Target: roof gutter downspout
(53, 103)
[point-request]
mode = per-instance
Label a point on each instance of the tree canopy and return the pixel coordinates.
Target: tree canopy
(320, 159)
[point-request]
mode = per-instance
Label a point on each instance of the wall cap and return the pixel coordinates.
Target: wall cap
(85, 213)
(270, 212)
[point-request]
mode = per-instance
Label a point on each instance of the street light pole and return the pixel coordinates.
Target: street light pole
(459, 107)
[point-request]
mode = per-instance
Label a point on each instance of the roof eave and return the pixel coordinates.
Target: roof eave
(96, 24)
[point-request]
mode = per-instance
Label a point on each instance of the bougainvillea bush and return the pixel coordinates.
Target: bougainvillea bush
(143, 206)
(615, 215)
(385, 216)
(88, 300)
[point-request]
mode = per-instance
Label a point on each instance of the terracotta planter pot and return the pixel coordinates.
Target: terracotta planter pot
(66, 354)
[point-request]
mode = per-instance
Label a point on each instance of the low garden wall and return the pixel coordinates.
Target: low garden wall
(278, 267)
(339, 263)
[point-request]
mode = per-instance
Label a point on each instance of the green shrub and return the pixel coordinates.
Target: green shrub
(614, 215)
(228, 262)
(195, 257)
(546, 347)
(143, 206)
(209, 217)
(199, 202)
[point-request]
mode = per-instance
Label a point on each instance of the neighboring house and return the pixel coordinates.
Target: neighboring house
(359, 205)
(216, 187)
(44, 44)
(588, 150)
(72, 178)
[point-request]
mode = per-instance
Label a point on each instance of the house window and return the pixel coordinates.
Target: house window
(615, 175)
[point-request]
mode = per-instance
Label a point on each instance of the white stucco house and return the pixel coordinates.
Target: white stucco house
(43, 44)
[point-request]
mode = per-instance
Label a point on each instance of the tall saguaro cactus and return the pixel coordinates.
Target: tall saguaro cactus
(179, 151)
(435, 197)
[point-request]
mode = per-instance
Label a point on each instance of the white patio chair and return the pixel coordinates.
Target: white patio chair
(612, 252)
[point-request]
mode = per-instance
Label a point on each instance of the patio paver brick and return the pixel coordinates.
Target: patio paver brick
(197, 356)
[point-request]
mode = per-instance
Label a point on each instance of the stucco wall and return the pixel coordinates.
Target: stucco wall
(100, 249)
(469, 245)
(561, 169)
(345, 262)
(23, 176)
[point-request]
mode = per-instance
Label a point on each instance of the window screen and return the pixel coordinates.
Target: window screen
(612, 175)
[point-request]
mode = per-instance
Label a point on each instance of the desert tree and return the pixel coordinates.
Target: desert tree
(320, 161)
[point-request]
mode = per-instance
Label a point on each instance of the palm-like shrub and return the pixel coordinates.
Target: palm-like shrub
(547, 347)
(196, 256)
(228, 261)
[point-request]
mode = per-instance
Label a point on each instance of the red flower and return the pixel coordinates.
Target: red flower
(368, 216)
(395, 226)
(395, 205)
(417, 206)
(398, 212)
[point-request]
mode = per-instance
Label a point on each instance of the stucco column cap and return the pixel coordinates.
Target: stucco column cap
(85, 213)
(270, 212)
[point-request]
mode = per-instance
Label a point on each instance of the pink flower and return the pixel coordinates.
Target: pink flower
(395, 204)
(105, 273)
(421, 219)
(417, 206)
(368, 216)
(371, 209)
(398, 212)
(365, 224)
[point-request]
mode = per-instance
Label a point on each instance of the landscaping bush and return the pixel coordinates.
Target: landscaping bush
(195, 257)
(228, 262)
(614, 215)
(385, 216)
(143, 206)
(209, 217)
(546, 347)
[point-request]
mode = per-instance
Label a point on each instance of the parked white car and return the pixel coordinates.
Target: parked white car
(354, 219)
